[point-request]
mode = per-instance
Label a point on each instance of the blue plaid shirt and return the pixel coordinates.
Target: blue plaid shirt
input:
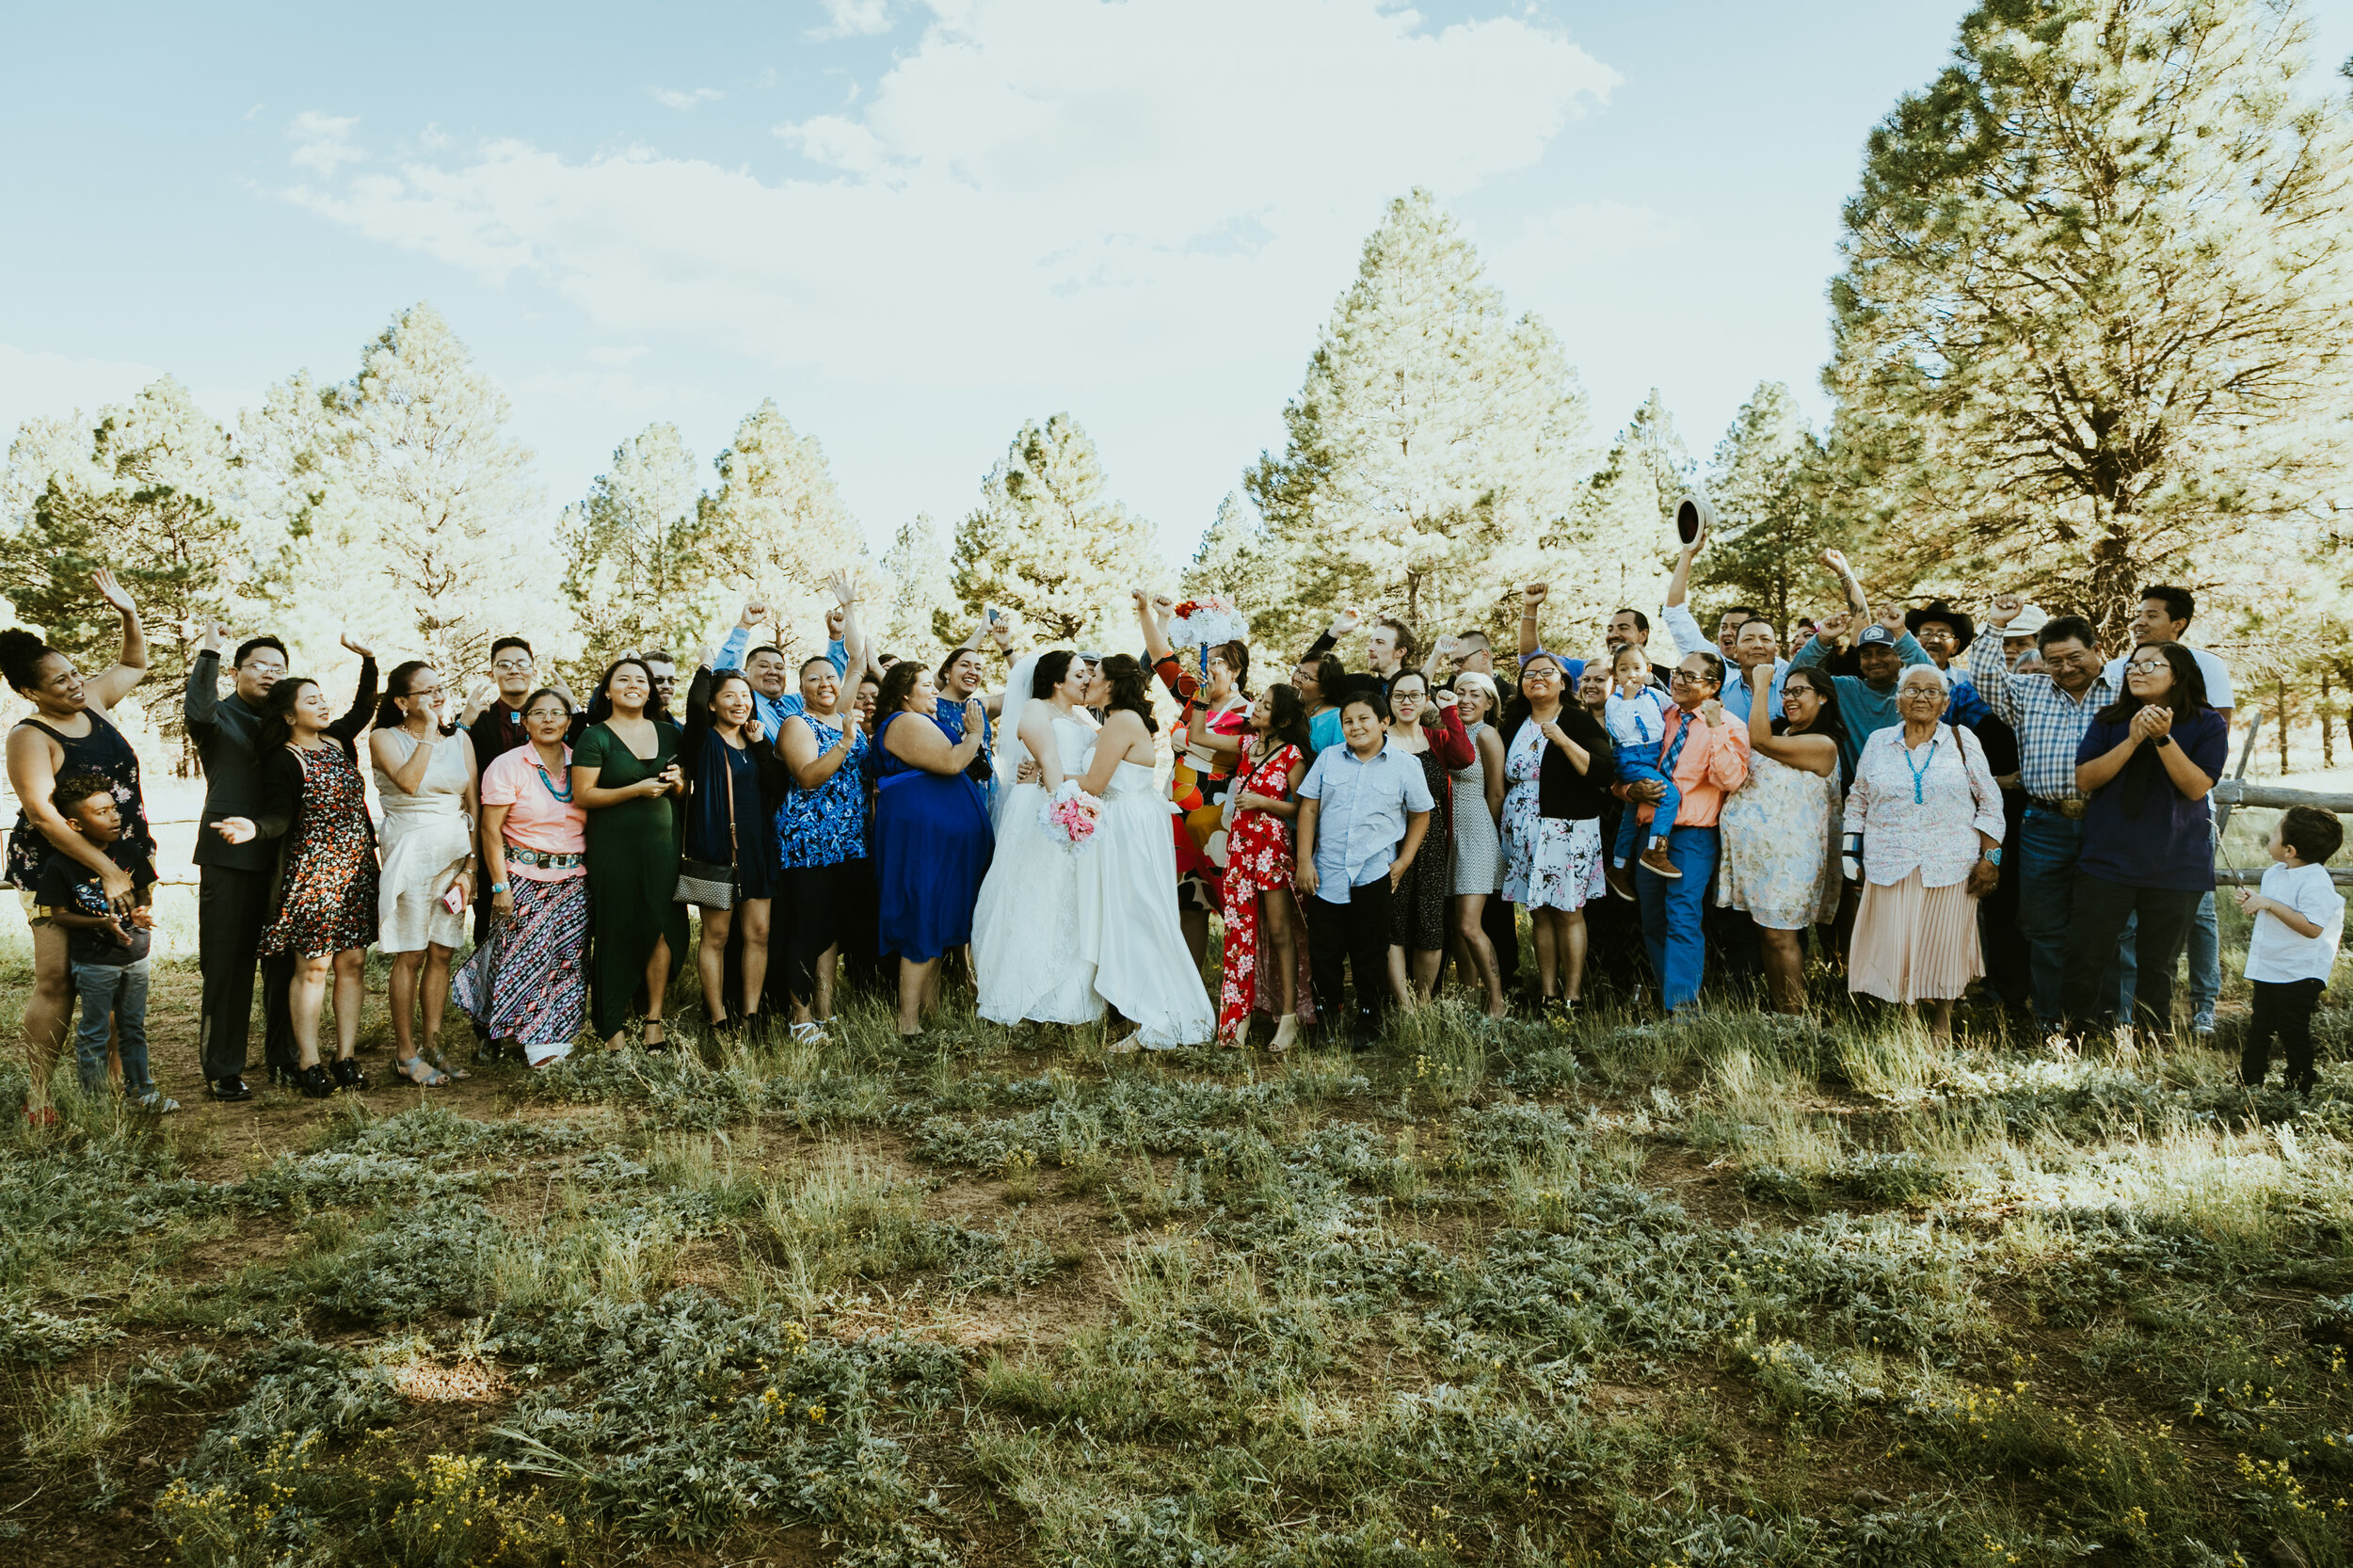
(2050, 724)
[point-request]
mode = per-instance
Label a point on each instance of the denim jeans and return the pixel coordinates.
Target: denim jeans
(1638, 765)
(2206, 963)
(1672, 914)
(2048, 844)
(119, 994)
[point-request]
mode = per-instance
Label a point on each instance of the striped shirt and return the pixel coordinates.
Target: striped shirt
(2050, 724)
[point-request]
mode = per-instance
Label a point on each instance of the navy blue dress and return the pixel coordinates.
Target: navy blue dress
(931, 844)
(715, 771)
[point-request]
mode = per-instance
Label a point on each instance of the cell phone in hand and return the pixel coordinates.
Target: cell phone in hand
(455, 899)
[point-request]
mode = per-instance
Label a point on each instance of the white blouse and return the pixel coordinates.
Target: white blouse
(1922, 807)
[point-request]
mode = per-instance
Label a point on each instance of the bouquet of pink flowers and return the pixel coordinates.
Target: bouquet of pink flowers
(1071, 815)
(1206, 621)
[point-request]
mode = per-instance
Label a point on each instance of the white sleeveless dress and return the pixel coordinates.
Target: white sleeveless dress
(425, 839)
(1026, 946)
(1127, 921)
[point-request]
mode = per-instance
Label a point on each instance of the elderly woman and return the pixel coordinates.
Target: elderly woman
(528, 990)
(1924, 831)
(1779, 829)
(932, 837)
(1478, 787)
(1557, 765)
(2144, 767)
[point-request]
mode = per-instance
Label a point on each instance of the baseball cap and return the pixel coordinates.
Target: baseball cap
(1876, 635)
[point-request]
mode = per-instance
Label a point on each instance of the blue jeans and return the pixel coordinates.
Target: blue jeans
(120, 994)
(2048, 844)
(2206, 963)
(1672, 913)
(1638, 765)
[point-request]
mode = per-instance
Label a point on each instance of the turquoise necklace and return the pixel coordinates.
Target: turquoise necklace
(564, 795)
(1921, 772)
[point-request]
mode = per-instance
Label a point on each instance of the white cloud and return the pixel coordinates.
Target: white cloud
(1572, 244)
(671, 99)
(35, 384)
(323, 142)
(1041, 191)
(856, 18)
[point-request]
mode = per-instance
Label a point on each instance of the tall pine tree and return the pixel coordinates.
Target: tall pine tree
(779, 522)
(638, 565)
(1047, 543)
(921, 612)
(2095, 323)
(1436, 438)
(1765, 483)
(1609, 550)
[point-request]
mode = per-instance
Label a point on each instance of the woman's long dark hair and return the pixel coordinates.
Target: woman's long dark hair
(1331, 679)
(1288, 722)
(387, 714)
(600, 700)
(2189, 686)
(1429, 709)
(275, 727)
(1519, 710)
(1053, 668)
(1236, 658)
(1830, 721)
(1131, 688)
(719, 678)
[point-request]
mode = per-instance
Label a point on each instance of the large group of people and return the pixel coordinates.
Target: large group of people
(1928, 805)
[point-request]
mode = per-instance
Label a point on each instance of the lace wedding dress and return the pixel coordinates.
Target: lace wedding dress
(1026, 946)
(1129, 931)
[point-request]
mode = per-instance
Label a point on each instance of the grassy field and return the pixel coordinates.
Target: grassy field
(1729, 1290)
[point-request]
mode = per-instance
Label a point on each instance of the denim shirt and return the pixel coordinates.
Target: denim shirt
(1360, 818)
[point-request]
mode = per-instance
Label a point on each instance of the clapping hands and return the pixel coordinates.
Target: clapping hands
(2150, 723)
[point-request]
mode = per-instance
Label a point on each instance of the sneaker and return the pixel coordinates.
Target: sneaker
(2202, 1024)
(229, 1088)
(154, 1104)
(1655, 861)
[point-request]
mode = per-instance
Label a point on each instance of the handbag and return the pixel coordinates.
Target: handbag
(703, 882)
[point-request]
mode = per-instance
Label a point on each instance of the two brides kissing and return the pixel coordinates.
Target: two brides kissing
(1062, 934)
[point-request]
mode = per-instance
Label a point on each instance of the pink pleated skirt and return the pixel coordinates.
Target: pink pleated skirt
(1914, 943)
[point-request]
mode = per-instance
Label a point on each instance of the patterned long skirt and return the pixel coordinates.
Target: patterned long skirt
(533, 987)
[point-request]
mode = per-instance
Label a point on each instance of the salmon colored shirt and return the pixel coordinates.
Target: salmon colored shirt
(1714, 763)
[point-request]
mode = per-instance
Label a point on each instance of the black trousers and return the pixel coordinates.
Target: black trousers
(231, 907)
(2097, 924)
(821, 900)
(2283, 1011)
(1354, 934)
(1501, 922)
(862, 964)
(2008, 962)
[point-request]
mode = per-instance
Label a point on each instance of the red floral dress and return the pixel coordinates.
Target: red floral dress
(1199, 793)
(1258, 861)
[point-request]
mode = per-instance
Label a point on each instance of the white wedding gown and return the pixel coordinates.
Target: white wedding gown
(1026, 943)
(1128, 928)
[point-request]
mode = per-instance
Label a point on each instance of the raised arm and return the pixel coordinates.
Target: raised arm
(131, 668)
(1834, 561)
(926, 745)
(1827, 632)
(1451, 742)
(1340, 625)
(1813, 754)
(202, 699)
(1989, 670)
(1531, 605)
(362, 709)
(1156, 642)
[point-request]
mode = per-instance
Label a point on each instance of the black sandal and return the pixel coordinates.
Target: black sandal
(662, 1044)
(347, 1074)
(314, 1082)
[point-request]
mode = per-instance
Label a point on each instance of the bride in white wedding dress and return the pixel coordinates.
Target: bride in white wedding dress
(1027, 943)
(1128, 928)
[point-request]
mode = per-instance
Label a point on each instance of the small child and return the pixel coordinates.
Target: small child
(108, 951)
(2300, 917)
(1635, 715)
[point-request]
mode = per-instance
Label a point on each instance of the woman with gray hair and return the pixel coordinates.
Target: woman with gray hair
(1479, 833)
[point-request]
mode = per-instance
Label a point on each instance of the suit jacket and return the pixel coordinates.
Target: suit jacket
(222, 727)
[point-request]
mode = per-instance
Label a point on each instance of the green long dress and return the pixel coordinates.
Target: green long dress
(632, 872)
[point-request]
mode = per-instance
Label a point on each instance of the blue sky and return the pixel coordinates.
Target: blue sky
(915, 223)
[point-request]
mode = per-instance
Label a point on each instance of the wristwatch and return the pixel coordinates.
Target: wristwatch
(2161, 741)
(1992, 856)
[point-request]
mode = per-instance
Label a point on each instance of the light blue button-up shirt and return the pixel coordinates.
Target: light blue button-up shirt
(773, 711)
(1360, 813)
(1737, 697)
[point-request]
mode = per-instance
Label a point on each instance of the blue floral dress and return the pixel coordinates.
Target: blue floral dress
(825, 826)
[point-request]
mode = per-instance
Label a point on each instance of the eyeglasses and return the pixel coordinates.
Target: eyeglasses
(1686, 677)
(2148, 666)
(1918, 691)
(509, 666)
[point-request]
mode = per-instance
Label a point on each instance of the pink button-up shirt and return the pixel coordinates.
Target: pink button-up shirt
(1714, 763)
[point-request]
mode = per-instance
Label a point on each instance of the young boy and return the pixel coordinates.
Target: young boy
(2299, 918)
(1636, 716)
(108, 951)
(1362, 810)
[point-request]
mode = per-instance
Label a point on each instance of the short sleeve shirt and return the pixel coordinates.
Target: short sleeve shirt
(66, 884)
(535, 819)
(2278, 956)
(2169, 843)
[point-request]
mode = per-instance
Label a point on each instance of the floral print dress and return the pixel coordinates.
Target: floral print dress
(1548, 862)
(327, 900)
(1258, 861)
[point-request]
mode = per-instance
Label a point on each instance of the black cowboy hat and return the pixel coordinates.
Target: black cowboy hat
(1964, 630)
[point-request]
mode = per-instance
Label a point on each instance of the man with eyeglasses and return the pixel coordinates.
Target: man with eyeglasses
(2050, 710)
(1707, 757)
(234, 882)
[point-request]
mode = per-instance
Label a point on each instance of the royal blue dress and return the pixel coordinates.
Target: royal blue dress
(931, 844)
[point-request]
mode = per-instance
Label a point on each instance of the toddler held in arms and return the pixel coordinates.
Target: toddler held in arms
(1636, 715)
(2299, 918)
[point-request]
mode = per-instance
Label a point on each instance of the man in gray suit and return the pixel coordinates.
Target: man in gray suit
(235, 881)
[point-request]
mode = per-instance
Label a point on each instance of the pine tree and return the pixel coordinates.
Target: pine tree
(1609, 552)
(1765, 481)
(1231, 560)
(2095, 323)
(638, 565)
(778, 521)
(922, 594)
(1435, 441)
(1045, 544)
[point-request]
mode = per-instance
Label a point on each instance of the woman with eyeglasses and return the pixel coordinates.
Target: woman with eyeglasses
(528, 989)
(1923, 834)
(1431, 730)
(2145, 767)
(1557, 766)
(424, 783)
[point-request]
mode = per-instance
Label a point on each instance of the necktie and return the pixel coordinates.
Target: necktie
(1674, 747)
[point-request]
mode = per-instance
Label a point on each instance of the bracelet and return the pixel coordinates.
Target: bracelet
(498, 886)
